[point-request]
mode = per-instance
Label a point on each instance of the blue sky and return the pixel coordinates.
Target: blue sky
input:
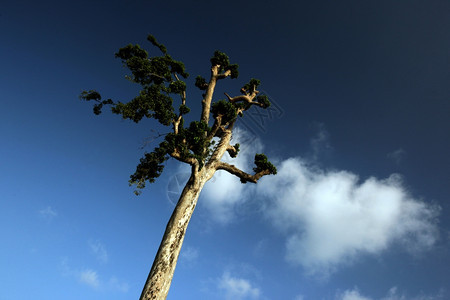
(359, 132)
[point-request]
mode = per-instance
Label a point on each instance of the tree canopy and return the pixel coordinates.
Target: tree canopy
(161, 80)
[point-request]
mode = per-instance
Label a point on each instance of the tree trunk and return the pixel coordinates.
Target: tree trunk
(158, 281)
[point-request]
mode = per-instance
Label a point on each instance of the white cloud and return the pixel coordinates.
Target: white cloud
(48, 213)
(90, 278)
(237, 288)
(225, 191)
(330, 216)
(99, 250)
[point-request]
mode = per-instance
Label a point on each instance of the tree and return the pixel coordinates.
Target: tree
(199, 145)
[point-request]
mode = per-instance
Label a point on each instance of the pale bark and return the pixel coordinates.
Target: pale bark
(161, 274)
(206, 102)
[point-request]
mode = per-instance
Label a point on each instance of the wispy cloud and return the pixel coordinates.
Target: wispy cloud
(89, 277)
(330, 217)
(99, 250)
(397, 156)
(351, 295)
(320, 143)
(116, 284)
(392, 294)
(236, 288)
(189, 254)
(48, 213)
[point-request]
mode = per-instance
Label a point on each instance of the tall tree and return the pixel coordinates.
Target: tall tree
(200, 145)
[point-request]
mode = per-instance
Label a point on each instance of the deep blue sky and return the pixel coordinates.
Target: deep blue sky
(360, 136)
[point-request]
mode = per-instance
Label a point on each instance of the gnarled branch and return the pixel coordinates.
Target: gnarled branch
(224, 74)
(243, 176)
(247, 98)
(189, 160)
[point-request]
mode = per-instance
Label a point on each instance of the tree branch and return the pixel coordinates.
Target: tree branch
(244, 98)
(215, 128)
(244, 177)
(176, 124)
(206, 102)
(189, 160)
(224, 74)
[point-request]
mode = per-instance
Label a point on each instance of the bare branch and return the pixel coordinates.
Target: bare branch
(189, 160)
(244, 98)
(244, 177)
(176, 124)
(215, 128)
(224, 74)
(206, 102)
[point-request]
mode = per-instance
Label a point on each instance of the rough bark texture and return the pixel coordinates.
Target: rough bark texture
(158, 282)
(161, 274)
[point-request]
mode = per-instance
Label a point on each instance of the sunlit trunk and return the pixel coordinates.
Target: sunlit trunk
(158, 281)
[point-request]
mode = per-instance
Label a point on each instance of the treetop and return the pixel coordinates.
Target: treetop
(160, 78)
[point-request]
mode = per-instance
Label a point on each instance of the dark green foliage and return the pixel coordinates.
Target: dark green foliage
(191, 142)
(184, 109)
(224, 108)
(152, 40)
(177, 87)
(234, 71)
(130, 51)
(173, 141)
(263, 164)
(177, 67)
(236, 147)
(145, 70)
(159, 77)
(242, 105)
(94, 95)
(150, 167)
(90, 95)
(196, 138)
(200, 82)
(250, 86)
(264, 100)
(222, 60)
(155, 75)
(151, 103)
